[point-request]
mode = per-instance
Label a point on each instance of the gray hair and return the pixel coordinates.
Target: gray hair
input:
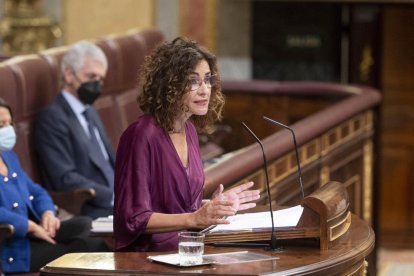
(75, 56)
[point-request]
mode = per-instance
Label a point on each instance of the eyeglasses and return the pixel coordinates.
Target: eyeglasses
(195, 82)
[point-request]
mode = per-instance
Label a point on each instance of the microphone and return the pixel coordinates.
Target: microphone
(296, 150)
(273, 242)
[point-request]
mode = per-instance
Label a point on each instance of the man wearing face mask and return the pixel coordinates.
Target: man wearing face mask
(73, 147)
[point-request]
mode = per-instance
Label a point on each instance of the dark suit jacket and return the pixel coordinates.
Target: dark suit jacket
(65, 162)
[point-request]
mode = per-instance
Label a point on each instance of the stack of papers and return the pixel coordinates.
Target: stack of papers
(103, 225)
(288, 217)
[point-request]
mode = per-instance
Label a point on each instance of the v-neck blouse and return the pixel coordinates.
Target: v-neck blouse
(150, 177)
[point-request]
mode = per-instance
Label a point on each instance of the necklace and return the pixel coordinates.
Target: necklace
(177, 131)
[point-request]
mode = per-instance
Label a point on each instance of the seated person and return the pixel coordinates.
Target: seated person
(159, 173)
(73, 148)
(39, 235)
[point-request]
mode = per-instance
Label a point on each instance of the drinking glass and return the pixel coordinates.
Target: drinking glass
(190, 247)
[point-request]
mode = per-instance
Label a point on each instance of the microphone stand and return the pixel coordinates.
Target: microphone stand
(273, 245)
(296, 150)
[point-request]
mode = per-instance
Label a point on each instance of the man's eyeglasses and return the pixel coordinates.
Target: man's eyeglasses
(195, 82)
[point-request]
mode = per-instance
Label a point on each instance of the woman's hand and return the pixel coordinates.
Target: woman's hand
(39, 232)
(50, 223)
(214, 211)
(240, 196)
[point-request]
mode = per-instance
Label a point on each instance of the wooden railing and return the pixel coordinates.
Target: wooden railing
(334, 126)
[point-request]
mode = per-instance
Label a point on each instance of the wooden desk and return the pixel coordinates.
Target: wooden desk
(346, 256)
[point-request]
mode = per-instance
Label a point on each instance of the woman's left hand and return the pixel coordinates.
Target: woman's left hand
(50, 223)
(241, 196)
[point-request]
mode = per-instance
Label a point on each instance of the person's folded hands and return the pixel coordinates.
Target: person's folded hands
(50, 223)
(39, 232)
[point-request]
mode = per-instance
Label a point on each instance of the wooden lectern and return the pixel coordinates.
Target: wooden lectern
(326, 216)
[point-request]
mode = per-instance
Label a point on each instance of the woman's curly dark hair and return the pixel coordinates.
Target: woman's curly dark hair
(164, 81)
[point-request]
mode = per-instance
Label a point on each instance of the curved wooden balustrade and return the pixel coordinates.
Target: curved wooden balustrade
(335, 142)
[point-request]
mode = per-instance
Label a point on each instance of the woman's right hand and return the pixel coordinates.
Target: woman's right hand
(213, 212)
(39, 232)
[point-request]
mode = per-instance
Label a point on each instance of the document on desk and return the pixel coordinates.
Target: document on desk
(288, 217)
(218, 259)
(103, 224)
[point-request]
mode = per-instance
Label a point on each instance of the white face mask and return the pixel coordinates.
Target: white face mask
(7, 138)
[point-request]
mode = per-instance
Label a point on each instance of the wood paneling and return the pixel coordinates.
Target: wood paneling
(394, 206)
(198, 21)
(397, 138)
(398, 54)
(250, 108)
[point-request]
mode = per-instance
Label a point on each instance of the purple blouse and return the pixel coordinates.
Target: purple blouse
(150, 177)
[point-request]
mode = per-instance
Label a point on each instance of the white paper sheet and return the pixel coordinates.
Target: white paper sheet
(103, 225)
(218, 259)
(282, 218)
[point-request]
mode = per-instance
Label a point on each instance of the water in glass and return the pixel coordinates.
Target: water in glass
(191, 248)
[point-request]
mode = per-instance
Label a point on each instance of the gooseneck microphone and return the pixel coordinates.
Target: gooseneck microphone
(273, 241)
(296, 150)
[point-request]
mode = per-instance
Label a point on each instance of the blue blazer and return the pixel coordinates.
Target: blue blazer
(19, 197)
(65, 162)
